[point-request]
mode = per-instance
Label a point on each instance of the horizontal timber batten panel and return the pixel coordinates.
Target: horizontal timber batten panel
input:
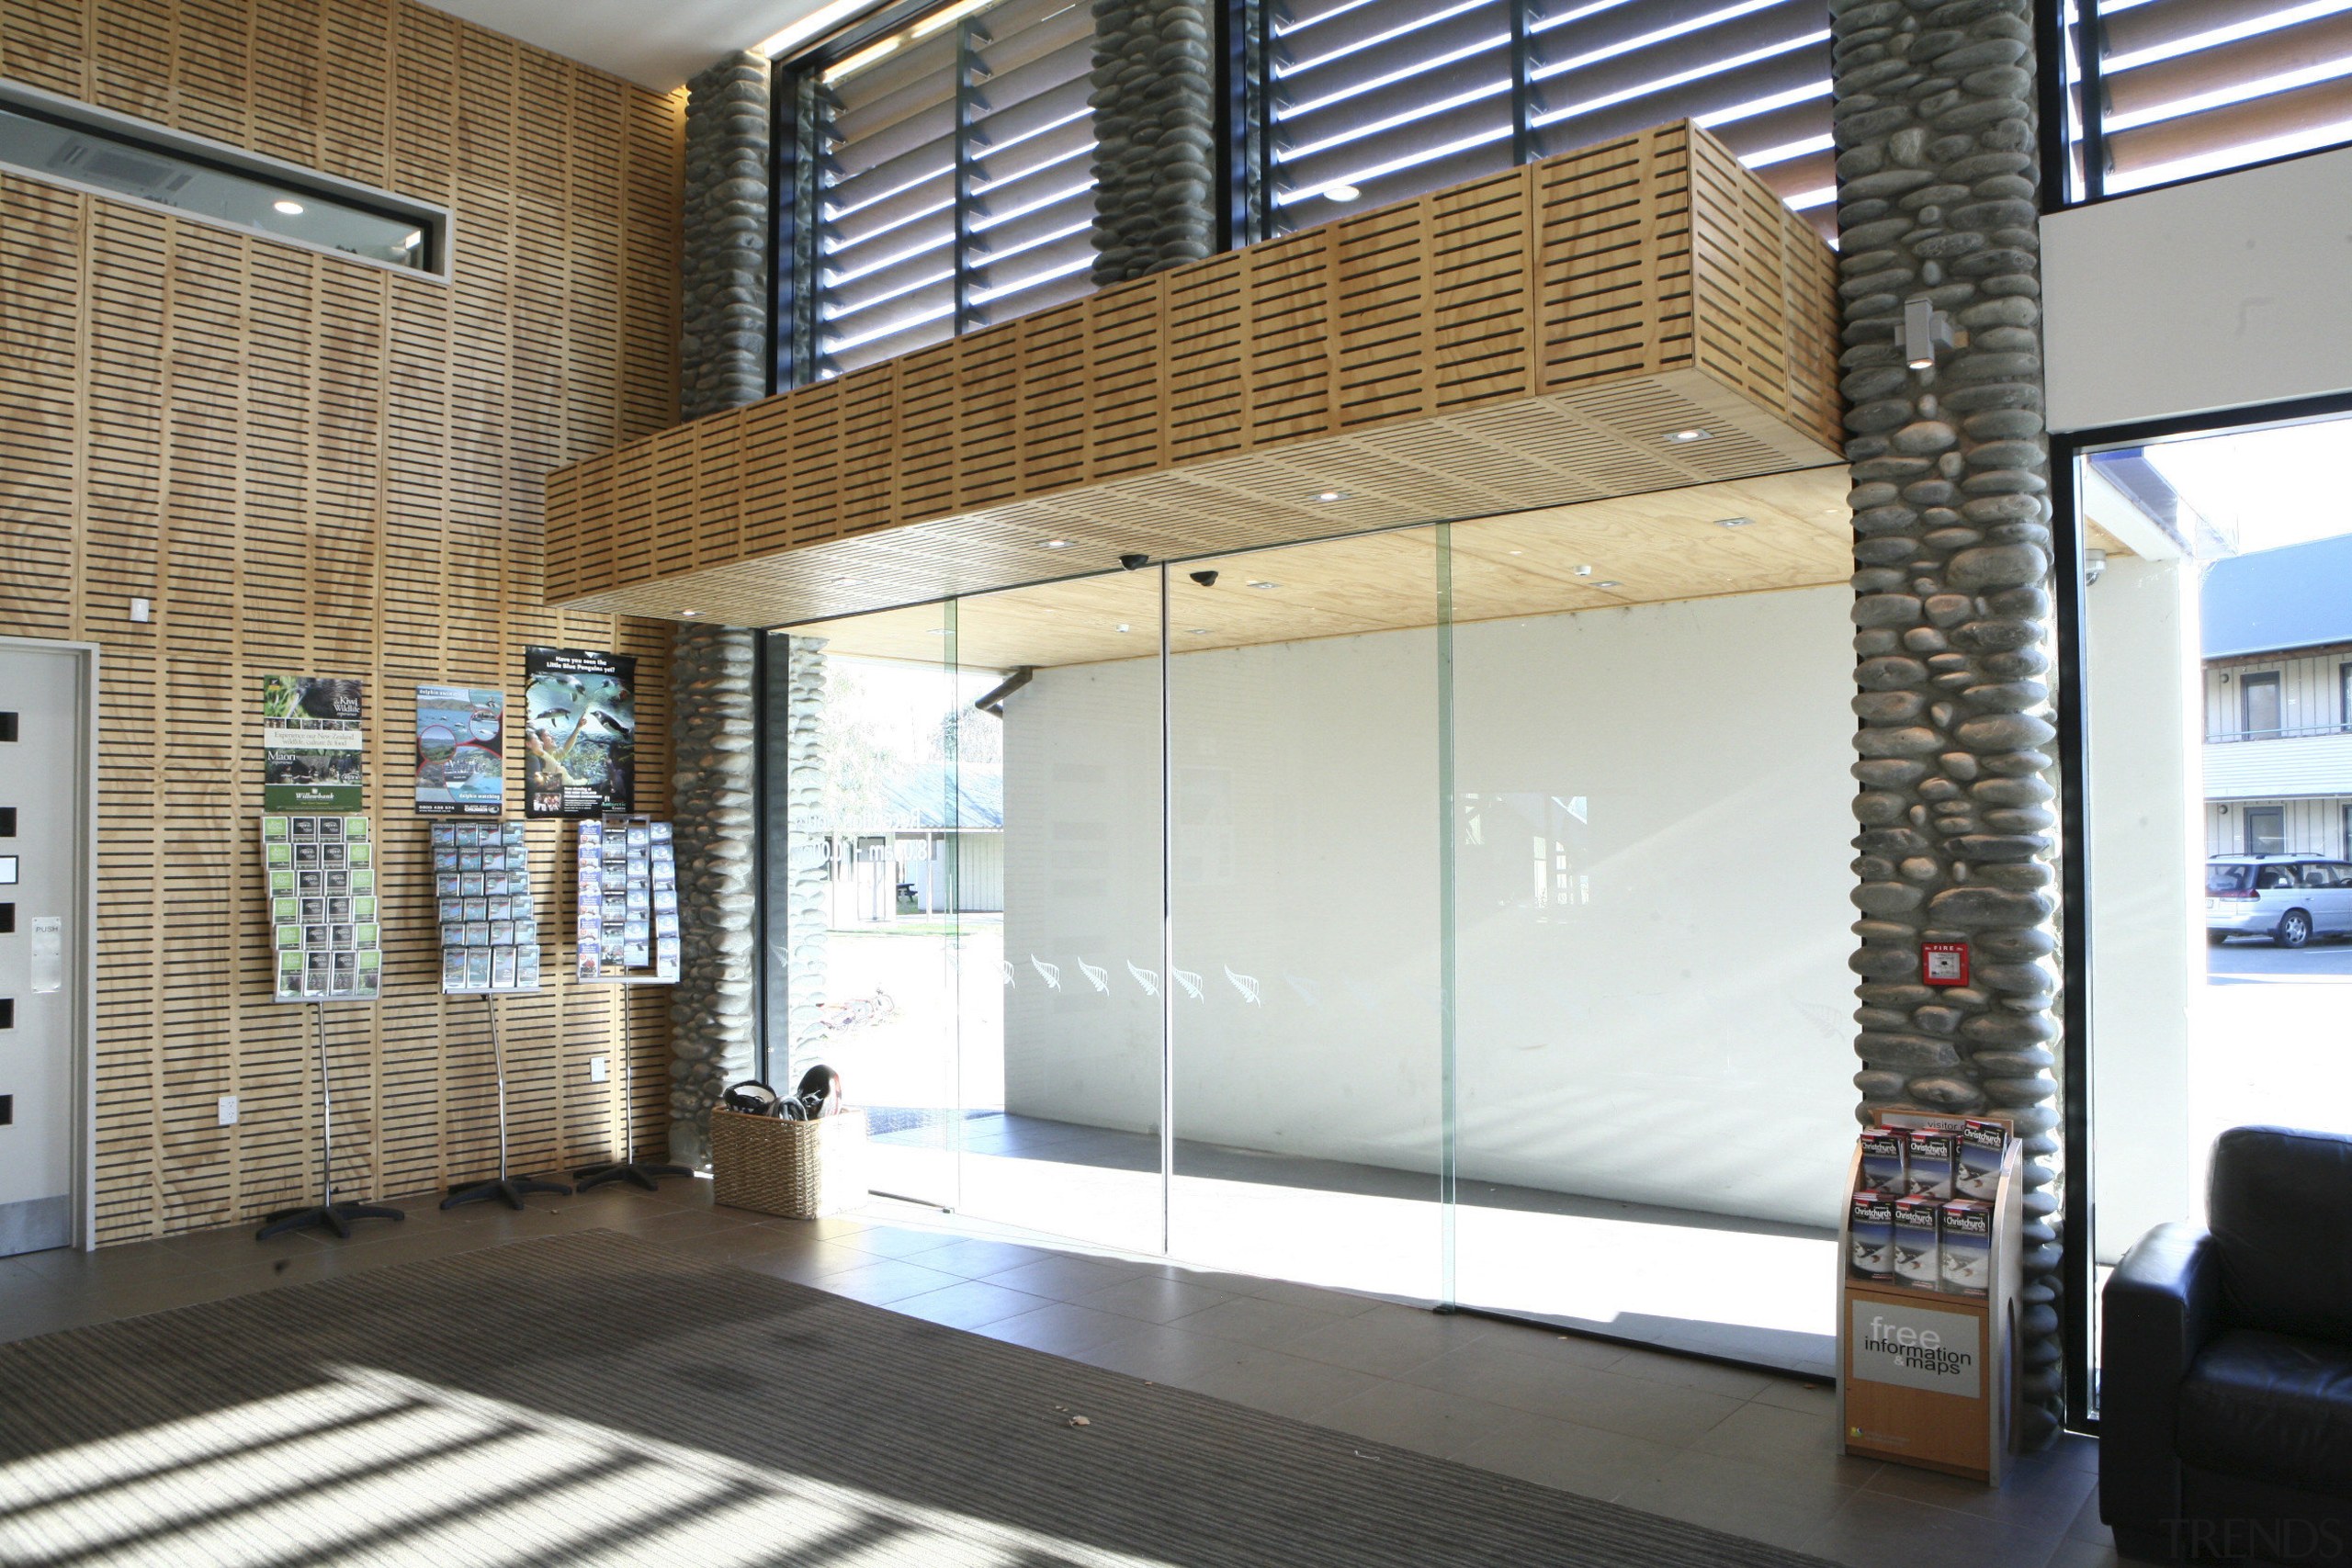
(1527, 340)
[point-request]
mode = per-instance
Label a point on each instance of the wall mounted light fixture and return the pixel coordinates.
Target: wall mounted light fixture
(1925, 329)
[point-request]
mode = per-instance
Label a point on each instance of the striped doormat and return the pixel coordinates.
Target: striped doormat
(594, 1399)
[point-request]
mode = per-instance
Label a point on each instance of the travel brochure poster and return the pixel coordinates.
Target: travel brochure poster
(580, 736)
(461, 751)
(313, 754)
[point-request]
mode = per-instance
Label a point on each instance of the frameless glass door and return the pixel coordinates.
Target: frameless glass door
(1650, 737)
(1304, 985)
(1060, 942)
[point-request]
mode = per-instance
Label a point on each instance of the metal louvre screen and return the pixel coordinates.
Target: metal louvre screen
(1381, 99)
(955, 190)
(2188, 87)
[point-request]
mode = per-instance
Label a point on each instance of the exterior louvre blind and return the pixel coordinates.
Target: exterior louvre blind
(2188, 87)
(1395, 98)
(956, 188)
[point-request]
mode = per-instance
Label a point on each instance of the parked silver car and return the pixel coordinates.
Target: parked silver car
(2288, 899)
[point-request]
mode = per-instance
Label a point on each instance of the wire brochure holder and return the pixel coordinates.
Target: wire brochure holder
(627, 936)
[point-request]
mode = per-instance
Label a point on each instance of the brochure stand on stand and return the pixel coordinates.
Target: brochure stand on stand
(326, 1212)
(627, 936)
(627, 1169)
(508, 1188)
(325, 943)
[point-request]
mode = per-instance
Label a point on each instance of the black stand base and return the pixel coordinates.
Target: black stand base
(336, 1217)
(511, 1189)
(627, 1170)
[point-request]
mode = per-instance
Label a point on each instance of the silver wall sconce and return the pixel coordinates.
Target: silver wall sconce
(1925, 329)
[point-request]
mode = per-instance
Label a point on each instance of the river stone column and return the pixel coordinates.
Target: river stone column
(723, 348)
(807, 868)
(1937, 187)
(711, 1037)
(1155, 136)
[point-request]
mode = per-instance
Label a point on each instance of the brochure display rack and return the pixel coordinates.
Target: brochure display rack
(324, 933)
(1929, 1255)
(489, 947)
(627, 936)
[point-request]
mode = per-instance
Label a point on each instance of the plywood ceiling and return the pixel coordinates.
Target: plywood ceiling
(1645, 549)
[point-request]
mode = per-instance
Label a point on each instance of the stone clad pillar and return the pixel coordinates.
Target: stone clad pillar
(712, 1041)
(1938, 191)
(722, 363)
(724, 347)
(1155, 131)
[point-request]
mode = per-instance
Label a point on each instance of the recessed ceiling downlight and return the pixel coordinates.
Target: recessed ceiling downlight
(292, 209)
(1684, 438)
(1328, 495)
(1053, 543)
(1342, 191)
(1734, 522)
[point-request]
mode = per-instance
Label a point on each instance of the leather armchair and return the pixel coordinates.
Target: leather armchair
(2225, 1408)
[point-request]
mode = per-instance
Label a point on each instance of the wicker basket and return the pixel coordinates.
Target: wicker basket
(803, 1170)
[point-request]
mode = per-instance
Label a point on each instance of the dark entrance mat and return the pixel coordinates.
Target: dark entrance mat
(593, 1398)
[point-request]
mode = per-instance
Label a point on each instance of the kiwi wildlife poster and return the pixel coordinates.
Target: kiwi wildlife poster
(580, 732)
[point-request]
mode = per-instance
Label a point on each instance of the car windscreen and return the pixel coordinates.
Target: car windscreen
(2228, 878)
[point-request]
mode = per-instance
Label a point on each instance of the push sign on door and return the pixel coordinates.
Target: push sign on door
(1943, 963)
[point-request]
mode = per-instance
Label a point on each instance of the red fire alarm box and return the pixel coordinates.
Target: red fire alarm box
(1943, 963)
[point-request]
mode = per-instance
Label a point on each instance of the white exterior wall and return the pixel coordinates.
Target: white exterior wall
(2221, 294)
(2312, 827)
(2147, 890)
(1654, 1003)
(2310, 692)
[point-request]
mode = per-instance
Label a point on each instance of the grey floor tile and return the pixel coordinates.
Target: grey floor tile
(811, 1262)
(1874, 1528)
(1158, 1353)
(967, 1304)
(883, 1281)
(1564, 1456)
(888, 1241)
(1686, 1372)
(2040, 1494)
(1790, 1441)
(1060, 1328)
(1784, 1506)
(1388, 1341)
(1282, 1384)
(1425, 1420)
(1254, 1320)
(1819, 1398)
(2074, 1554)
(1062, 1279)
(2088, 1525)
(976, 1260)
(1153, 1299)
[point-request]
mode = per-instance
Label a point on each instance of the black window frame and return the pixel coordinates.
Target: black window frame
(2270, 680)
(2063, 186)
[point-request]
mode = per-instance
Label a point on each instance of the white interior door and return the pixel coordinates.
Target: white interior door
(43, 901)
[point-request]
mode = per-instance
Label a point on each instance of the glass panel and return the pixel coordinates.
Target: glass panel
(896, 810)
(1654, 1037)
(2212, 635)
(1062, 939)
(1305, 989)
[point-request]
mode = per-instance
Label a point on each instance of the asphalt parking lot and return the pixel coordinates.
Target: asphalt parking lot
(2254, 960)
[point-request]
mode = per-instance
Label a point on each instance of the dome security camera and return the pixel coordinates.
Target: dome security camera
(1134, 562)
(1205, 579)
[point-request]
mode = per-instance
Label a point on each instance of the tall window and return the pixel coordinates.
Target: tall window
(1382, 99)
(2178, 88)
(953, 188)
(2258, 704)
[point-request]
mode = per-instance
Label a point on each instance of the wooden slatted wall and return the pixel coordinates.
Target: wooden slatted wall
(314, 466)
(1521, 340)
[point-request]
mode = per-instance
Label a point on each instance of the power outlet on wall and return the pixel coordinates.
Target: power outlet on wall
(595, 1070)
(228, 1111)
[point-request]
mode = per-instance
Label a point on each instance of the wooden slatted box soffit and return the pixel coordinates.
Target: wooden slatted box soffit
(1534, 338)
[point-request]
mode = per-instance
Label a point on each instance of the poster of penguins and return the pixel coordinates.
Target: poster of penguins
(579, 744)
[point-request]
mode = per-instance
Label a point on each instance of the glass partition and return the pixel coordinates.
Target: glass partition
(1305, 989)
(1650, 741)
(1456, 913)
(1061, 1014)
